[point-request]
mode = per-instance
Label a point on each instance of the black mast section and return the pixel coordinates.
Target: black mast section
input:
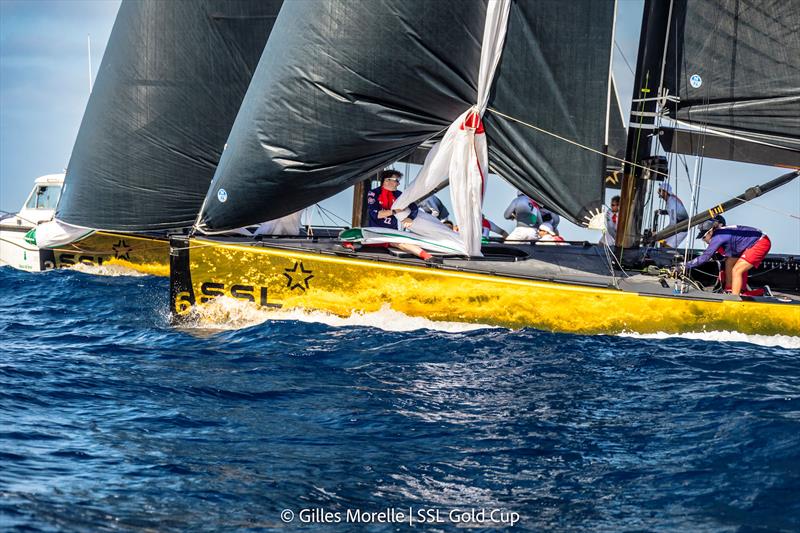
(647, 81)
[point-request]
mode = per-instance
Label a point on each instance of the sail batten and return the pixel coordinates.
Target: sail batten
(171, 82)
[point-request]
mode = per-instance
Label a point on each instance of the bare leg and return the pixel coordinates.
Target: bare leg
(410, 248)
(739, 269)
(729, 262)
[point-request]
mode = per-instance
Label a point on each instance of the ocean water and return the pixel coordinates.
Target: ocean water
(112, 420)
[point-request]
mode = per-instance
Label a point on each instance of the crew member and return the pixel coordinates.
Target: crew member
(550, 217)
(547, 235)
(527, 215)
(744, 246)
(379, 206)
(488, 227)
(610, 235)
(676, 211)
(434, 207)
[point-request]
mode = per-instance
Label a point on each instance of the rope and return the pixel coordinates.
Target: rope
(575, 143)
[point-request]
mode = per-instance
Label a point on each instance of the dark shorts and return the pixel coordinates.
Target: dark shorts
(756, 253)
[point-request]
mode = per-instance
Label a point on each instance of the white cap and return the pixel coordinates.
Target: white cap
(547, 227)
(666, 187)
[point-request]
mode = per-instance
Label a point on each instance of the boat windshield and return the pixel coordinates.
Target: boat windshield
(44, 197)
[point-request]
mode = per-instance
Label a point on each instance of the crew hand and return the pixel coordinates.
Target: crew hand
(385, 213)
(407, 223)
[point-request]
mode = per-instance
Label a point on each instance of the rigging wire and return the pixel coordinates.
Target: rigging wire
(625, 161)
(624, 59)
(611, 258)
(331, 215)
(698, 167)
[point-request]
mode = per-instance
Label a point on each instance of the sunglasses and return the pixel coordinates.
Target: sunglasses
(392, 179)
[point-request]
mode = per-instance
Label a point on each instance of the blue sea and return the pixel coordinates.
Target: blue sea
(111, 419)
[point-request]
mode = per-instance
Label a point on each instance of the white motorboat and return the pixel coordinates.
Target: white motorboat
(39, 207)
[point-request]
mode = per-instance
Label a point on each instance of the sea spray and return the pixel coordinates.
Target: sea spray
(226, 313)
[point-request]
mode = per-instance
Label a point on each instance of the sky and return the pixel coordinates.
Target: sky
(44, 88)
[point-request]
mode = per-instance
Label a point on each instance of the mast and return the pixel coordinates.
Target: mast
(652, 44)
(360, 190)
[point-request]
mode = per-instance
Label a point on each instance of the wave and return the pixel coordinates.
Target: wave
(107, 270)
(224, 313)
(229, 313)
(772, 341)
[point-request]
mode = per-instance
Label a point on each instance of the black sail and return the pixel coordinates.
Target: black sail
(344, 88)
(172, 79)
(735, 65)
(553, 75)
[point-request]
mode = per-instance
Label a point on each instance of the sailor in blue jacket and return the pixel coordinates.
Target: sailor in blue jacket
(379, 206)
(380, 201)
(743, 247)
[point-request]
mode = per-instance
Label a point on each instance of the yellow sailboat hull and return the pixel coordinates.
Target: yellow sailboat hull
(275, 277)
(141, 254)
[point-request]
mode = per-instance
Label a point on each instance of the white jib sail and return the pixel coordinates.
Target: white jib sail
(462, 156)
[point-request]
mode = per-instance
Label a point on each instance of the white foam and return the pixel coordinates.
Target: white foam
(107, 270)
(228, 313)
(225, 313)
(781, 341)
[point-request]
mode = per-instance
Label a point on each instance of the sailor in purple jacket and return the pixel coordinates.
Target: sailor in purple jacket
(743, 247)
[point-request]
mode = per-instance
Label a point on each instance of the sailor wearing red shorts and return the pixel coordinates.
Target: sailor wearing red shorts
(750, 245)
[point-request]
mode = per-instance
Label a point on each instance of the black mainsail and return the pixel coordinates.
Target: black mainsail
(171, 82)
(735, 67)
(342, 90)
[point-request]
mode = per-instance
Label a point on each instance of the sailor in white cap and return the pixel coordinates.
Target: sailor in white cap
(547, 235)
(676, 211)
